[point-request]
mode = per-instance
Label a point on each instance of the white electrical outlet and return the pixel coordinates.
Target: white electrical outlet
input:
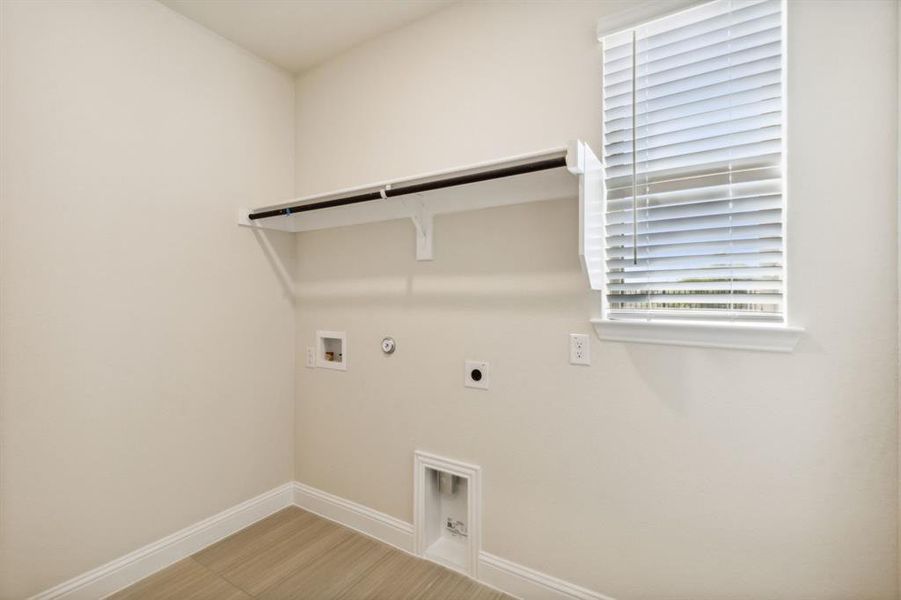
(475, 374)
(311, 357)
(579, 349)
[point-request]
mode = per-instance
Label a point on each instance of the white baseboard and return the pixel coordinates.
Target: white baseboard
(526, 583)
(509, 577)
(373, 523)
(131, 568)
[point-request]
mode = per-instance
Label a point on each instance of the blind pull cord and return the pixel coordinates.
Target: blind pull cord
(634, 150)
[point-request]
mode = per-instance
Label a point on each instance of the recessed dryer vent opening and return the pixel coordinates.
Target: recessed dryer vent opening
(447, 516)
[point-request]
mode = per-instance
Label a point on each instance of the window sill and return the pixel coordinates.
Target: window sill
(753, 336)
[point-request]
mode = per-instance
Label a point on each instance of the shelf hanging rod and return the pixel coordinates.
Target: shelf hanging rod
(415, 188)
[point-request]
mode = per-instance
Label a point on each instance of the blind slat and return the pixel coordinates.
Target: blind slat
(717, 186)
(702, 315)
(756, 92)
(773, 286)
(698, 225)
(730, 259)
(690, 122)
(682, 275)
(751, 156)
(696, 209)
(727, 142)
(689, 27)
(705, 131)
(743, 35)
(695, 249)
(717, 93)
(713, 234)
(751, 61)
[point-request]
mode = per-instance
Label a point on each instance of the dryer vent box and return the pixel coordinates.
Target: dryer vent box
(447, 512)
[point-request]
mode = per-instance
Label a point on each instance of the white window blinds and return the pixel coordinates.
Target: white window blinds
(693, 157)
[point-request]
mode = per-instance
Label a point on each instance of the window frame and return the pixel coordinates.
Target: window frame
(686, 331)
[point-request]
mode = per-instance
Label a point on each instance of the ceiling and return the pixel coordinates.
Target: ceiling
(298, 34)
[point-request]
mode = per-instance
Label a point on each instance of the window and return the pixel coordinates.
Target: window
(693, 154)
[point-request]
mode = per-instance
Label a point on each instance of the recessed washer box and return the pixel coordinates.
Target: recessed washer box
(331, 350)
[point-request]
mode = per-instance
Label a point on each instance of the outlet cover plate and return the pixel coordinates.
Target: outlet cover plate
(579, 349)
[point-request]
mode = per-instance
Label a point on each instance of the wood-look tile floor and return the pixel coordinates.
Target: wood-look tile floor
(295, 555)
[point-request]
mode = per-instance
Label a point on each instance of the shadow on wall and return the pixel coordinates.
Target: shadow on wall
(688, 380)
(484, 292)
(280, 257)
(522, 257)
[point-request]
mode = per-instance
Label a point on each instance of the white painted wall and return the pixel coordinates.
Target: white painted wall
(659, 472)
(145, 341)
